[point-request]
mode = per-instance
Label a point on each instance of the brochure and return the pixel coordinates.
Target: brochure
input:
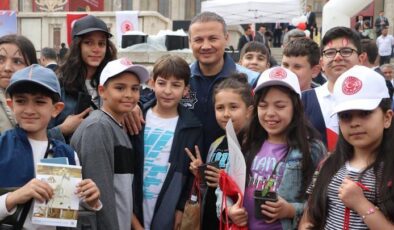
(62, 209)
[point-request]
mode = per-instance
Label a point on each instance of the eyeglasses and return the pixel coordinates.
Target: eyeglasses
(344, 52)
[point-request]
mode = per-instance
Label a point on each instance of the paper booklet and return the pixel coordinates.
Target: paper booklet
(62, 209)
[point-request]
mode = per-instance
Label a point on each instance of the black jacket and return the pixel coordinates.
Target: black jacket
(177, 185)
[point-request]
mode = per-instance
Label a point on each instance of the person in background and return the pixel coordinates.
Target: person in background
(89, 52)
(261, 35)
(311, 20)
(48, 58)
(380, 22)
(385, 43)
(16, 52)
(255, 56)
(388, 72)
(62, 52)
(302, 57)
(245, 38)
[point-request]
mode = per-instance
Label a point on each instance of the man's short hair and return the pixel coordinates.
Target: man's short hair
(341, 32)
(255, 46)
(303, 47)
(208, 17)
(48, 53)
(172, 65)
(370, 48)
(294, 33)
(387, 65)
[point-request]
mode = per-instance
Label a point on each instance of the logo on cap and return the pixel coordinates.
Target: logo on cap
(351, 85)
(278, 73)
(126, 62)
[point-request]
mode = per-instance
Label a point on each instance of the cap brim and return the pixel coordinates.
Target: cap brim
(12, 86)
(362, 104)
(85, 31)
(275, 82)
(140, 71)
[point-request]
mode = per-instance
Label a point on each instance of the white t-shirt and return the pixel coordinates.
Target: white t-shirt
(158, 136)
(385, 44)
(39, 148)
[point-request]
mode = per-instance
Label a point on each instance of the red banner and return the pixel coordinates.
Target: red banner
(86, 5)
(4, 4)
(71, 18)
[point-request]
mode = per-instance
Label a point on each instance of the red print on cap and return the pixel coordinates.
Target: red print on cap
(351, 85)
(125, 61)
(278, 73)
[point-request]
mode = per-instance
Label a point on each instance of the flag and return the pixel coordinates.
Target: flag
(237, 164)
(4, 4)
(8, 23)
(71, 18)
(125, 21)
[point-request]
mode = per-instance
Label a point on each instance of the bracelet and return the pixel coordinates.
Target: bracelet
(370, 211)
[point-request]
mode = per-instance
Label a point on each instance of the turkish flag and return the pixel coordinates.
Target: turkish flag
(71, 18)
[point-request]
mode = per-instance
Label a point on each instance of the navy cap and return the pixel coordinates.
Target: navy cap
(89, 24)
(35, 74)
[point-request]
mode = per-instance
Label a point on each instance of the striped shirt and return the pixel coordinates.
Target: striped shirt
(336, 209)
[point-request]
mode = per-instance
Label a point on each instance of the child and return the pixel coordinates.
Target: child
(232, 100)
(35, 99)
(104, 147)
(354, 187)
(302, 57)
(255, 56)
(162, 185)
(281, 152)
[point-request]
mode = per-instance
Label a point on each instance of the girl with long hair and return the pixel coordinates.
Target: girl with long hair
(354, 186)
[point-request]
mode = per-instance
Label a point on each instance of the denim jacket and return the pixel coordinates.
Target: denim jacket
(290, 186)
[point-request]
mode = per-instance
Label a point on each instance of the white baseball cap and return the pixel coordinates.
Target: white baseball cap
(359, 88)
(278, 76)
(121, 65)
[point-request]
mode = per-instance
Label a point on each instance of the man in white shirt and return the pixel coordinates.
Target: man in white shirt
(385, 44)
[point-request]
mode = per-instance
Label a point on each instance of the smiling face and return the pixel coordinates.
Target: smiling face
(11, 60)
(120, 94)
(364, 129)
(275, 112)
(208, 42)
(169, 91)
(334, 67)
(255, 61)
(33, 113)
(93, 48)
(230, 105)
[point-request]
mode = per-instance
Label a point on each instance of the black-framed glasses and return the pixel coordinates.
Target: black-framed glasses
(344, 52)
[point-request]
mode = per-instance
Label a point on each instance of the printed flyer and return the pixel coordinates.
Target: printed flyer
(62, 209)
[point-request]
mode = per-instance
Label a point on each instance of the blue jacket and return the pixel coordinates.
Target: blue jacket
(16, 158)
(176, 188)
(200, 97)
(314, 113)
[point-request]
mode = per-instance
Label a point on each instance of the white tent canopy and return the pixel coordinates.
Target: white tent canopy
(237, 12)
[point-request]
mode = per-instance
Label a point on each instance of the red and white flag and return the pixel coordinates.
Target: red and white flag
(125, 21)
(71, 18)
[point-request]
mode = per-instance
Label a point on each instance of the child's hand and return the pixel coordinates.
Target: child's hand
(350, 193)
(212, 175)
(71, 123)
(133, 121)
(35, 188)
(237, 213)
(89, 191)
(277, 210)
(178, 220)
(195, 161)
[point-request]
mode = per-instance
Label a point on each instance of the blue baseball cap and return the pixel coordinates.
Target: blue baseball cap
(35, 74)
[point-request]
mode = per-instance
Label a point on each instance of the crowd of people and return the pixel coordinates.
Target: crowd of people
(315, 132)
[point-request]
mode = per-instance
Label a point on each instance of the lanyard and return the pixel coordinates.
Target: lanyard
(346, 221)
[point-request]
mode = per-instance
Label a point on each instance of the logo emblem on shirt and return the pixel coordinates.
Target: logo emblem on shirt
(351, 85)
(189, 100)
(278, 73)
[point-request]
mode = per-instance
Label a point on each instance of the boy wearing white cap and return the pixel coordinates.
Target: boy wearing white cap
(353, 189)
(105, 149)
(35, 99)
